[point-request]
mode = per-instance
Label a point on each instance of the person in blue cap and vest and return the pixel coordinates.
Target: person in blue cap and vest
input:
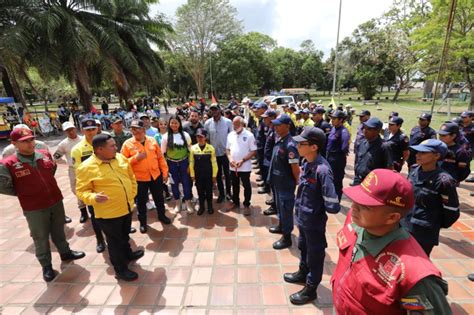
(371, 153)
(436, 200)
(315, 196)
(419, 134)
(283, 175)
(398, 142)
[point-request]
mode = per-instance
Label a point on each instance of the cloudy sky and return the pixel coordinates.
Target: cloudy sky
(292, 21)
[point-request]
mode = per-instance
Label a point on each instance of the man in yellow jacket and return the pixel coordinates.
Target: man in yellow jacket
(106, 181)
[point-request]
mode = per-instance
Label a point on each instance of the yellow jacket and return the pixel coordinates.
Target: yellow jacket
(115, 180)
(208, 154)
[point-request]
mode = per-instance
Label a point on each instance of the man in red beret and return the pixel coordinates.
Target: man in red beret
(381, 268)
(29, 175)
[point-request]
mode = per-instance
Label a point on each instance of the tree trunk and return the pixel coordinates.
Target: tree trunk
(428, 89)
(82, 81)
(121, 83)
(397, 93)
(471, 100)
(12, 88)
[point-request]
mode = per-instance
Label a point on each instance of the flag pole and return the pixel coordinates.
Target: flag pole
(336, 52)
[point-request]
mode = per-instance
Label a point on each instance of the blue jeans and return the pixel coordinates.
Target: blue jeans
(179, 173)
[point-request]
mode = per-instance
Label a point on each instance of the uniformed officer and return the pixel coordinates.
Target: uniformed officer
(381, 268)
(419, 134)
(268, 116)
(437, 203)
(398, 142)
(315, 195)
(372, 153)
(118, 133)
(338, 149)
(364, 115)
(203, 170)
(29, 175)
(283, 175)
(467, 128)
(458, 158)
(260, 141)
(319, 122)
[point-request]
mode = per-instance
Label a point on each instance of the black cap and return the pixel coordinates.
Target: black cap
(374, 123)
(395, 120)
(270, 113)
(338, 114)
(364, 112)
(137, 124)
(313, 135)
(214, 106)
(393, 114)
(283, 119)
(448, 128)
(466, 114)
(425, 116)
(201, 132)
(319, 110)
(88, 123)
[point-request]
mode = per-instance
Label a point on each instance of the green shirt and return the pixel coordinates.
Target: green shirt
(430, 291)
(120, 138)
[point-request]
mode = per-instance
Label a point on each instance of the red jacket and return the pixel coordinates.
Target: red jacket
(375, 285)
(35, 187)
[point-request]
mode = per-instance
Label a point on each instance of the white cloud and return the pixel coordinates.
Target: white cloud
(292, 21)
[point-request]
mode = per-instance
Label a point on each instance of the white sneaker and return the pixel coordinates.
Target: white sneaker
(189, 206)
(177, 206)
(150, 205)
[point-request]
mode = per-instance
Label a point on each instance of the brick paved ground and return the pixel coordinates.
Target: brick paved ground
(219, 264)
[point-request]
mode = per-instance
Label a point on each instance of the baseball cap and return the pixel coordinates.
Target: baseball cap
(283, 119)
(21, 134)
(269, 113)
(448, 128)
(466, 114)
(144, 116)
(364, 113)
(214, 106)
(305, 111)
(395, 120)
(68, 125)
(393, 114)
(338, 114)
(319, 110)
(201, 132)
(116, 118)
(312, 134)
(21, 126)
(261, 106)
(97, 122)
(425, 116)
(431, 145)
(137, 124)
(373, 122)
(383, 187)
(88, 123)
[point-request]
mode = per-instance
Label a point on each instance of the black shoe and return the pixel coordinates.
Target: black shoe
(261, 184)
(263, 190)
(228, 197)
(470, 276)
(210, 210)
(269, 211)
(132, 230)
(84, 216)
(283, 242)
(136, 255)
(143, 229)
(220, 199)
(100, 246)
(167, 196)
(126, 275)
(201, 210)
(275, 229)
(48, 273)
(305, 295)
(269, 202)
(297, 277)
(164, 219)
(67, 219)
(470, 180)
(72, 255)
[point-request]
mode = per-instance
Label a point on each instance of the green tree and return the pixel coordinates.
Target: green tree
(312, 73)
(200, 26)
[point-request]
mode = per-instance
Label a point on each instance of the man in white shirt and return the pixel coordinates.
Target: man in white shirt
(241, 147)
(64, 149)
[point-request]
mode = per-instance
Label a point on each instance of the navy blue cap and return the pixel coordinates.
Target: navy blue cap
(269, 113)
(201, 132)
(425, 116)
(393, 114)
(261, 106)
(431, 145)
(395, 120)
(374, 123)
(338, 114)
(456, 120)
(312, 134)
(364, 112)
(283, 119)
(466, 114)
(88, 123)
(448, 128)
(305, 111)
(319, 110)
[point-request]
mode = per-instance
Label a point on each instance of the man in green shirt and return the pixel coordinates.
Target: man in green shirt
(118, 133)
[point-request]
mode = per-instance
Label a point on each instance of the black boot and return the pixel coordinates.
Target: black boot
(269, 211)
(283, 242)
(72, 255)
(100, 246)
(126, 275)
(67, 219)
(305, 295)
(298, 276)
(201, 208)
(136, 255)
(163, 218)
(48, 273)
(84, 215)
(210, 210)
(275, 229)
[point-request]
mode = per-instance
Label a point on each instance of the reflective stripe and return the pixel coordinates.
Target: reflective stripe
(293, 161)
(444, 196)
(329, 199)
(451, 208)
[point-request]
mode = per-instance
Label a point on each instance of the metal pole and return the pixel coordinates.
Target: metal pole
(336, 52)
(210, 66)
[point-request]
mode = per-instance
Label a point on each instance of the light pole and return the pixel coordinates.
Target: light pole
(210, 70)
(336, 52)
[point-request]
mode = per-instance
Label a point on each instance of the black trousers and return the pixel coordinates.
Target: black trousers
(116, 232)
(237, 177)
(223, 167)
(155, 187)
(204, 189)
(95, 225)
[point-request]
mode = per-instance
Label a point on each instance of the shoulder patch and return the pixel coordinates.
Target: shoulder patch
(415, 303)
(291, 155)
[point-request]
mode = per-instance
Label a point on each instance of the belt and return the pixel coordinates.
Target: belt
(172, 160)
